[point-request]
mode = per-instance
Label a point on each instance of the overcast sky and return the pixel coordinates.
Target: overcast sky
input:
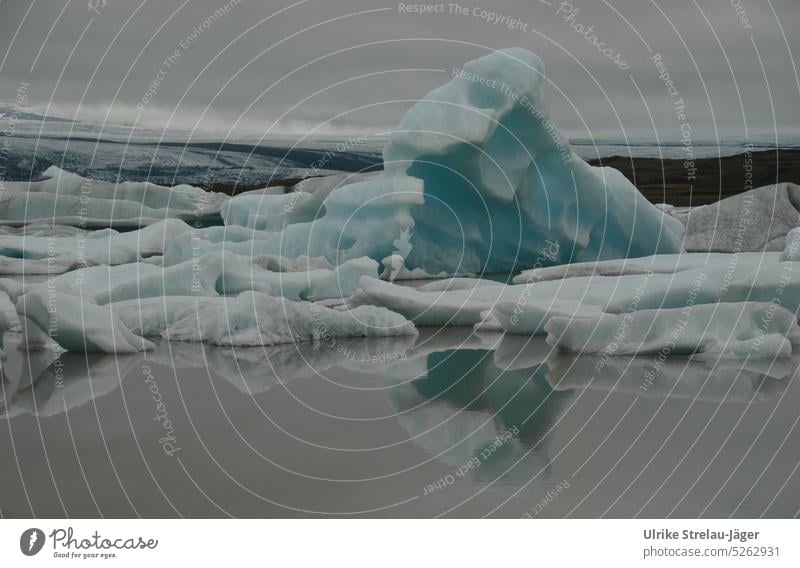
(357, 65)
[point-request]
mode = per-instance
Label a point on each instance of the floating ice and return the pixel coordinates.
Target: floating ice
(216, 274)
(649, 303)
(53, 255)
(743, 330)
(69, 199)
(753, 221)
(78, 324)
(253, 318)
(271, 210)
(791, 249)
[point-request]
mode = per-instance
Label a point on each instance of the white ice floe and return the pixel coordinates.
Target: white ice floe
(753, 221)
(69, 199)
(253, 318)
(216, 274)
(78, 324)
(743, 330)
(662, 263)
(655, 300)
(791, 248)
(53, 255)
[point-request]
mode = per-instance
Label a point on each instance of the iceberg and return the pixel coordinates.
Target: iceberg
(476, 178)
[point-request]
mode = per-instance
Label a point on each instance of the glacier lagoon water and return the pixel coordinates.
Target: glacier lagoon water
(447, 424)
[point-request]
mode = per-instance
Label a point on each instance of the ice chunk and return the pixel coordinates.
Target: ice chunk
(209, 275)
(791, 248)
(756, 220)
(265, 212)
(500, 180)
(5, 325)
(700, 279)
(52, 255)
(530, 319)
(394, 268)
(661, 263)
(273, 211)
(253, 318)
(437, 308)
(744, 330)
(277, 263)
(662, 299)
(68, 199)
(79, 324)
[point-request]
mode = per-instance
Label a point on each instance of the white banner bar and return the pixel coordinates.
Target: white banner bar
(402, 543)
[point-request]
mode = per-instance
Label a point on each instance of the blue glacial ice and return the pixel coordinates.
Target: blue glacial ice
(478, 178)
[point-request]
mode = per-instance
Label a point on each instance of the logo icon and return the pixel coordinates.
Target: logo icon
(31, 541)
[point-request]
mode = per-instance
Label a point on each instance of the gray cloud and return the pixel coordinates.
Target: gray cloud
(249, 67)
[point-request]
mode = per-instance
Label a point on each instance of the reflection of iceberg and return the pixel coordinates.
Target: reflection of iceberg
(70, 381)
(21, 369)
(717, 380)
(464, 409)
(254, 370)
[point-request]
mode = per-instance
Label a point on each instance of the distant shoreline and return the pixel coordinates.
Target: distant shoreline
(670, 181)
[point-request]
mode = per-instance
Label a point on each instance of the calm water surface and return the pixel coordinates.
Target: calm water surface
(446, 424)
